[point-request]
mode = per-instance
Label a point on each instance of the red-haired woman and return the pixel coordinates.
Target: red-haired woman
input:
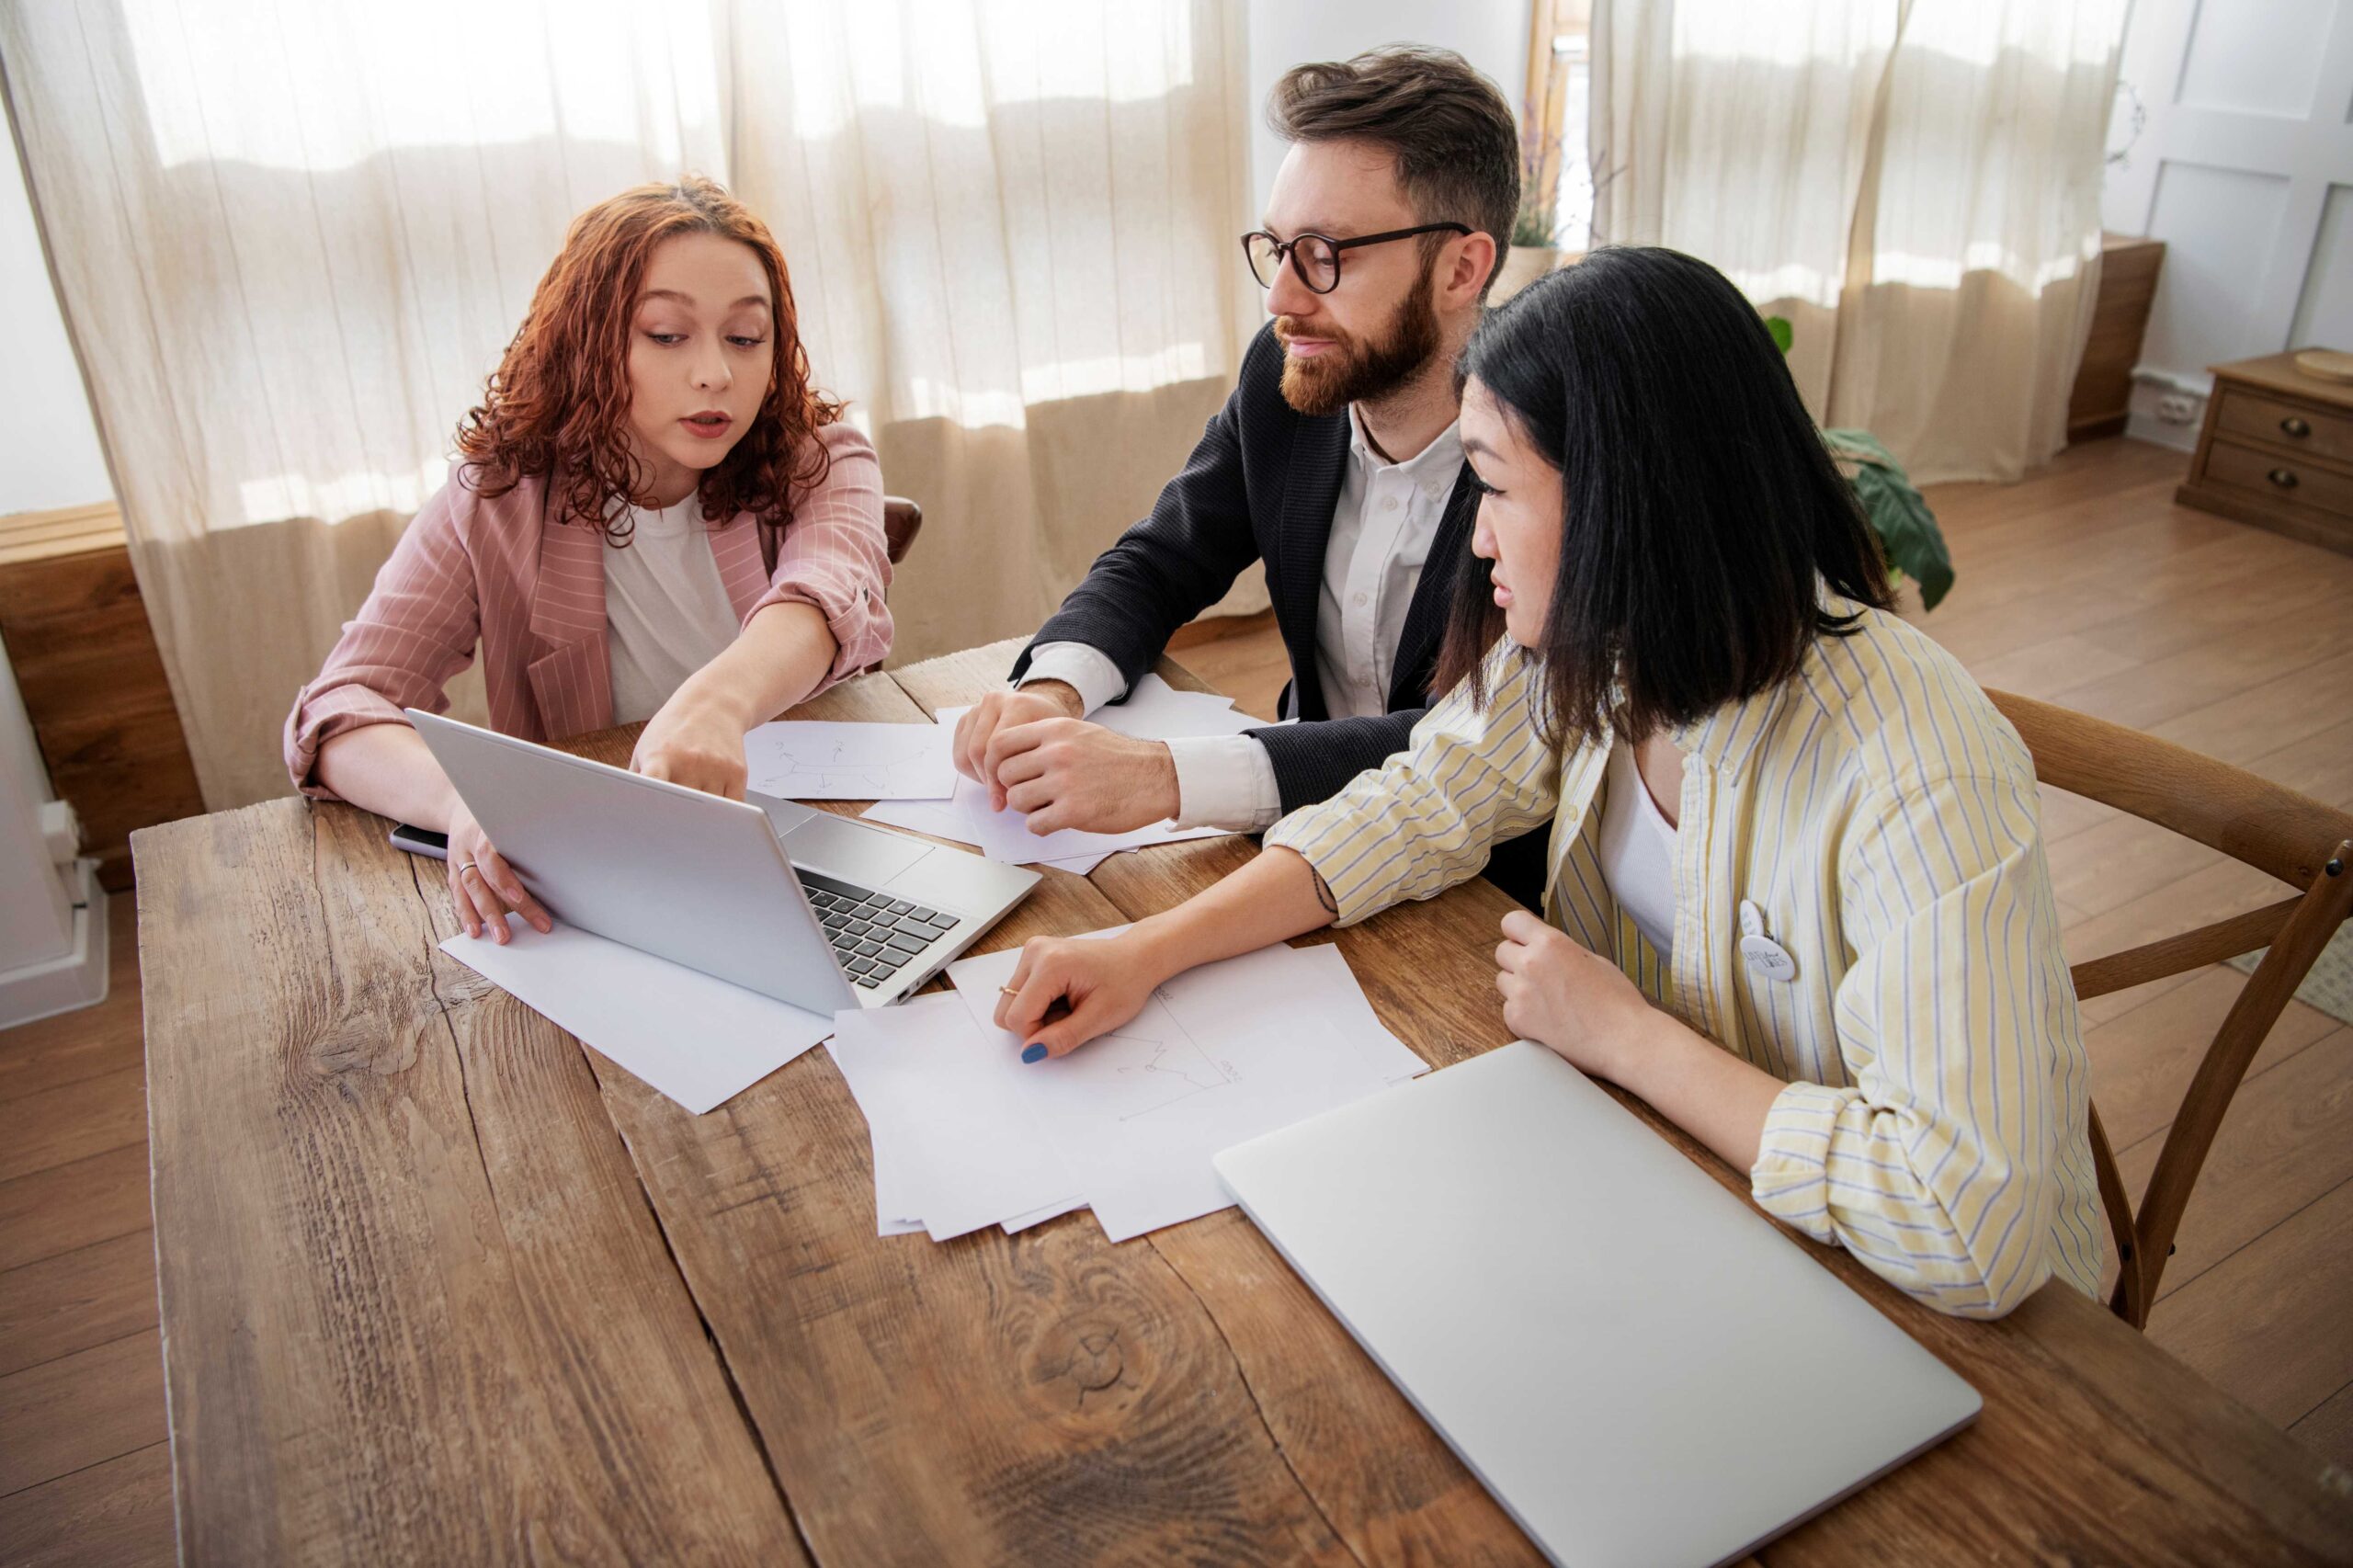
(656, 517)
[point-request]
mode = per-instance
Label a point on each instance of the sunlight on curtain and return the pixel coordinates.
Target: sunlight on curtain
(294, 238)
(1012, 228)
(213, 78)
(1914, 183)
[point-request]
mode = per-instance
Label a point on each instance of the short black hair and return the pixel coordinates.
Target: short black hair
(1453, 136)
(1702, 514)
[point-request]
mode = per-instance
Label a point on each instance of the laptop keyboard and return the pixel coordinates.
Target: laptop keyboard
(873, 934)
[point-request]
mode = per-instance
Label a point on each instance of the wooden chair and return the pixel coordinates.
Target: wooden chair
(2300, 841)
(902, 521)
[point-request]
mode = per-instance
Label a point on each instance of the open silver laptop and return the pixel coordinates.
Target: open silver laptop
(803, 905)
(1640, 1367)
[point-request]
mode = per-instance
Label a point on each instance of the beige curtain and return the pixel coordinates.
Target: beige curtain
(1914, 183)
(1013, 229)
(291, 240)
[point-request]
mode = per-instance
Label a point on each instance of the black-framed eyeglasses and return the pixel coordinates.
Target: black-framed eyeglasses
(1316, 258)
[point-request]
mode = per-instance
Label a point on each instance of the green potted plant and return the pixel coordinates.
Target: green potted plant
(1908, 534)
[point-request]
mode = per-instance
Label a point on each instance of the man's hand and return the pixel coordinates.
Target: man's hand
(1003, 709)
(1069, 773)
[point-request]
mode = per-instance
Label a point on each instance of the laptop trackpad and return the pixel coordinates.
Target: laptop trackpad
(863, 854)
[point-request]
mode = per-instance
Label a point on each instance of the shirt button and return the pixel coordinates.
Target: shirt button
(1389, 505)
(1361, 601)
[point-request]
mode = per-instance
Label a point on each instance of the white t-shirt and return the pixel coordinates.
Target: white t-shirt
(666, 613)
(1637, 851)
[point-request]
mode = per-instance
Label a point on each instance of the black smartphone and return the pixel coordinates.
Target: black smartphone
(419, 841)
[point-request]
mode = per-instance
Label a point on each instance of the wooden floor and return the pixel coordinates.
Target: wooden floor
(2083, 584)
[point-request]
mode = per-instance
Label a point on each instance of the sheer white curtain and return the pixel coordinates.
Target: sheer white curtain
(1914, 183)
(1013, 226)
(291, 240)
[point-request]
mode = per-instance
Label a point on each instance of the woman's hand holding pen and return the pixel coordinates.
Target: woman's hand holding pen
(1065, 991)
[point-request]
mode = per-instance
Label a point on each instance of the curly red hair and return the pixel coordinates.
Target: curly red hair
(557, 405)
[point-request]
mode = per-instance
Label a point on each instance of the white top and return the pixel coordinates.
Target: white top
(1637, 851)
(666, 613)
(1381, 528)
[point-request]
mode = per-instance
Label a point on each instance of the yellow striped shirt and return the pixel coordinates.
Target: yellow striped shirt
(1881, 813)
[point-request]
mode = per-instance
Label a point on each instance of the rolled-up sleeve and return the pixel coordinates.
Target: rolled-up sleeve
(1939, 1165)
(1427, 819)
(418, 629)
(835, 556)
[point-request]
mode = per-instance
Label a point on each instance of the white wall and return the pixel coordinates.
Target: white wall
(49, 446)
(2244, 169)
(1491, 34)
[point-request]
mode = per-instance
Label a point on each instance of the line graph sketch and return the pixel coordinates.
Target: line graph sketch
(817, 760)
(1155, 1064)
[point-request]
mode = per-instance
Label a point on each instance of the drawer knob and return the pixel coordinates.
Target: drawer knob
(2296, 426)
(2285, 478)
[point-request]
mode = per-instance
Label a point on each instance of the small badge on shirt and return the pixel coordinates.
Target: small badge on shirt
(1757, 948)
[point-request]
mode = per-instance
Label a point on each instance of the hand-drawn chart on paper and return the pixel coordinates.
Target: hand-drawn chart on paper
(1153, 1063)
(828, 760)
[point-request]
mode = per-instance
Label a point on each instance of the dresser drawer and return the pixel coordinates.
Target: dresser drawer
(2275, 478)
(2325, 433)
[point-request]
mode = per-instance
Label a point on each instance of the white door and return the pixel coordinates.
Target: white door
(2244, 166)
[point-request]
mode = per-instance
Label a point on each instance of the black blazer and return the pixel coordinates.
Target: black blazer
(1263, 485)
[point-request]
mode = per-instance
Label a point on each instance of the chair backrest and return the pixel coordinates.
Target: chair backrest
(902, 521)
(2288, 835)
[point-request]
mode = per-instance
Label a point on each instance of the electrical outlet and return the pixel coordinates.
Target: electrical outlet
(2177, 408)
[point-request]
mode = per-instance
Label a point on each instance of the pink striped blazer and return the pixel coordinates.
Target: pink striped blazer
(502, 574)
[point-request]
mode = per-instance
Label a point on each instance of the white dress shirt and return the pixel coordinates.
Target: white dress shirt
(1381, 528)
(666, 612)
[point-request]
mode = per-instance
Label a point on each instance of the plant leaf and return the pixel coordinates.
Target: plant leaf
(1906, 528)
(1782, 335)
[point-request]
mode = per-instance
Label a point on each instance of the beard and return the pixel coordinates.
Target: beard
(1357, 369)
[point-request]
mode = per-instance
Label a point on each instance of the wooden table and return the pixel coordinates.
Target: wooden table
(439, 1284)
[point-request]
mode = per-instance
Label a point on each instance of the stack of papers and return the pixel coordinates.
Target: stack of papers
(908, 771)
(1155, 711)
(966, 1134)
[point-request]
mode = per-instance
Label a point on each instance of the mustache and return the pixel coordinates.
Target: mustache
(1287, 328)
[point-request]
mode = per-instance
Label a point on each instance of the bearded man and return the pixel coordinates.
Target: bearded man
(1336, 462)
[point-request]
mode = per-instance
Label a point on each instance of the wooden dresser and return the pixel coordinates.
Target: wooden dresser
(2101, 402)
(2277, 451)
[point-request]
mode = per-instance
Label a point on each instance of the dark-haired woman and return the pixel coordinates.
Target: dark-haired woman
(657, 517)
(1798, 899)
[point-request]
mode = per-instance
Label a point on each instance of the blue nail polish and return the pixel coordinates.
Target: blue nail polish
(1034, 1053)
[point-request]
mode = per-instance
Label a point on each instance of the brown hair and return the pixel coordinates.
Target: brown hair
(1453, 134)
(558, 403)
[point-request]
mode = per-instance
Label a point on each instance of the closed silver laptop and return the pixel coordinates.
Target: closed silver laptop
(1642, 1369)
(799, 904)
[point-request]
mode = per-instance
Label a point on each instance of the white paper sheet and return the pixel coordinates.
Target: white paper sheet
(901, 1172)
(1351, 1010)
(944, 819)
(1006, 836)
(697, 1039)
(1218, 1055)
(1021, 1223)
(964, 1151)
(812, 759)
(1155, 711)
